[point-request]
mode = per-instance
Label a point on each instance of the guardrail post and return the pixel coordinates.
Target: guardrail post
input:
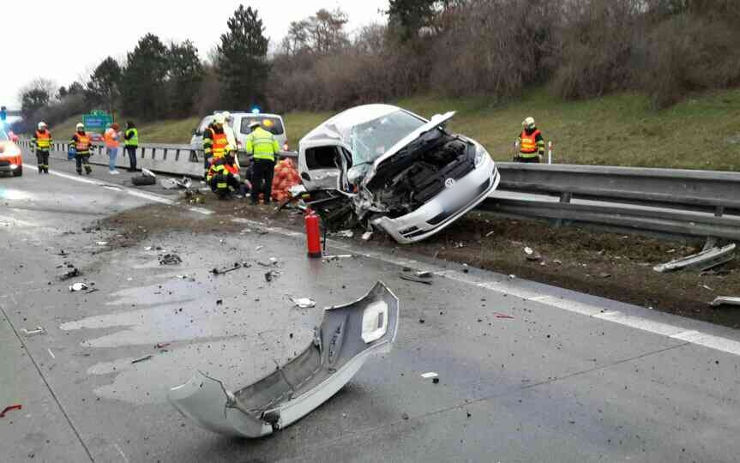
(164, 156)
(719, 211)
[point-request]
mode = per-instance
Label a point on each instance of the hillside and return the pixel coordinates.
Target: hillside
(702, 132)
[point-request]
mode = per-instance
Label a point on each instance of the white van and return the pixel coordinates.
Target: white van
(241, 120)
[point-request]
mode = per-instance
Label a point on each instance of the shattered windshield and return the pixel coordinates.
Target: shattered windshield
(3, 135)
(371, 139)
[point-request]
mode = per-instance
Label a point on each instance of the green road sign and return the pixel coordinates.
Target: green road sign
(95, 121)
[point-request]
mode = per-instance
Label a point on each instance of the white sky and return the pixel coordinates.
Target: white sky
(63, 40)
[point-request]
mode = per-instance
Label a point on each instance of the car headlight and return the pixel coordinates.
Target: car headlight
(480, 154)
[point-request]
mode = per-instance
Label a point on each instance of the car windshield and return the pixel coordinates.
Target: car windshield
(272, 124)
(370, 140)
(3, 135)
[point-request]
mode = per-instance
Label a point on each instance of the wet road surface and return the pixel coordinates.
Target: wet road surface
(527, 373)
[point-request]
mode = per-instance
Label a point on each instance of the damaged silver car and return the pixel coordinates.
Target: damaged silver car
(381, 166)
(347, 337)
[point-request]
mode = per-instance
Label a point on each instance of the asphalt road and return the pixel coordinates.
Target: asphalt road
(527, 372)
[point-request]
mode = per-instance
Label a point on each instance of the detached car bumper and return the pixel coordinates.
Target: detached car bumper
(347, 337)
(444, 208)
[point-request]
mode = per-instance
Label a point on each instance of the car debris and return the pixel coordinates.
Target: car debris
(367, 236)
(344, 341)
(429, 375)
(271, 275)
(336, 257)
(417, 277)
(148, 173)
(503, 315)
(344, 234)
(74, 287)
(704, 260)
(161, 345)
(10, 408)
(384, 167)
(71, 273)
(28, 333)
(725, 300)
(303, 302)
(217, 271)
(171, 183)
(142, 359)
(170, 259)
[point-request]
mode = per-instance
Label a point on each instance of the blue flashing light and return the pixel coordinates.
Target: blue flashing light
(256, 110)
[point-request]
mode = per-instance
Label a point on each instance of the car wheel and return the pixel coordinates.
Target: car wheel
(18, 172)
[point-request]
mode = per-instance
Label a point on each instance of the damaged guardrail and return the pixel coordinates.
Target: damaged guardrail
(672, 201)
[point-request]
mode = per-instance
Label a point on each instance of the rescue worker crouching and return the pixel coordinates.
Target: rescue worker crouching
(263, 147)
(531, 143)
(223, 177)
(42, 145)
(82, 143)
(215, 142)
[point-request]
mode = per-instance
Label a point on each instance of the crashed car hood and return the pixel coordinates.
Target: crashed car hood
(407, 140)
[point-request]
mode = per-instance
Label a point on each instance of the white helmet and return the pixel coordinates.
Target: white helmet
(79, 126)
(42, 125)
(226, 115)
(219, 119)
(528, 123)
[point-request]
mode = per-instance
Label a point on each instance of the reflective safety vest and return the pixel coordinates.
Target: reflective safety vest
(220, 145)
(208, 135)
(220, 172)
(528, 143)
(43, 140)
(111, 138)
(82, 142)
(132, 137)
(262, 144)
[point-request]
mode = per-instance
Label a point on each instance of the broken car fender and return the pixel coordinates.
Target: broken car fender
(348, 336)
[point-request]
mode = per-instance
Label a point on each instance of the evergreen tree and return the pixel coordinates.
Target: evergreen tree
(102, 89)
(184, 77)
(242, 60)
(143, 90)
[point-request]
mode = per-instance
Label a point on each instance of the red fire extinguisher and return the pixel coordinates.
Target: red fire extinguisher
(313, 235)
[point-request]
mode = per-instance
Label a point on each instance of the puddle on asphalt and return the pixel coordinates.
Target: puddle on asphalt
(238, 361)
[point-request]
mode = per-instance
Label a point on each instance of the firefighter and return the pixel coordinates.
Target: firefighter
(81, 142)
(208, 135)
(219, 141)
(42, 146)
(221, 179)
(263, 147)
(531, 143)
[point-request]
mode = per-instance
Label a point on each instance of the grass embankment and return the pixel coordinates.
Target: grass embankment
(703, 132)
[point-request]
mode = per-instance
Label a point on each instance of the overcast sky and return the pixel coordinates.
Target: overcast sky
(63, 40)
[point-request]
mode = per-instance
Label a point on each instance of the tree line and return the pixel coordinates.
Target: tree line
(492, 48)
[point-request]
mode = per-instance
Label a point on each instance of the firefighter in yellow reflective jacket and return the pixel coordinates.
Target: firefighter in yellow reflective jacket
(531, 143)
(263, 147)
(81, 142)
(42, 144)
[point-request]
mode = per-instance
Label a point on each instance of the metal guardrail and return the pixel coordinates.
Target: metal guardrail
(178, 159)
(682, 202)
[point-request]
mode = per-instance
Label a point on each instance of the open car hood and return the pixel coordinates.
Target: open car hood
(435, 122)
(347, 337)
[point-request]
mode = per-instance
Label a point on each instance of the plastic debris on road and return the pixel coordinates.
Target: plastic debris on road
(344, 234)
(417, 277)
(38, 330)
(142, 359)
(78, 287)
(429, 375)
(336, 257)
(725, 300)
(10, 408)
(303, 302)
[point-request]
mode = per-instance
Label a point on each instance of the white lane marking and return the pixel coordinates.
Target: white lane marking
(137, 193)
(508, 287)
(123, 455)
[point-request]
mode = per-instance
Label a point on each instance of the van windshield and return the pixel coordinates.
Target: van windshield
(272, 124)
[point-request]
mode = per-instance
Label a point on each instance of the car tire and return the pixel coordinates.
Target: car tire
(142, 180)
(18, 172)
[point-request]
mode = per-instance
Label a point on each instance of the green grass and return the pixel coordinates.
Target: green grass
(702, 132)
